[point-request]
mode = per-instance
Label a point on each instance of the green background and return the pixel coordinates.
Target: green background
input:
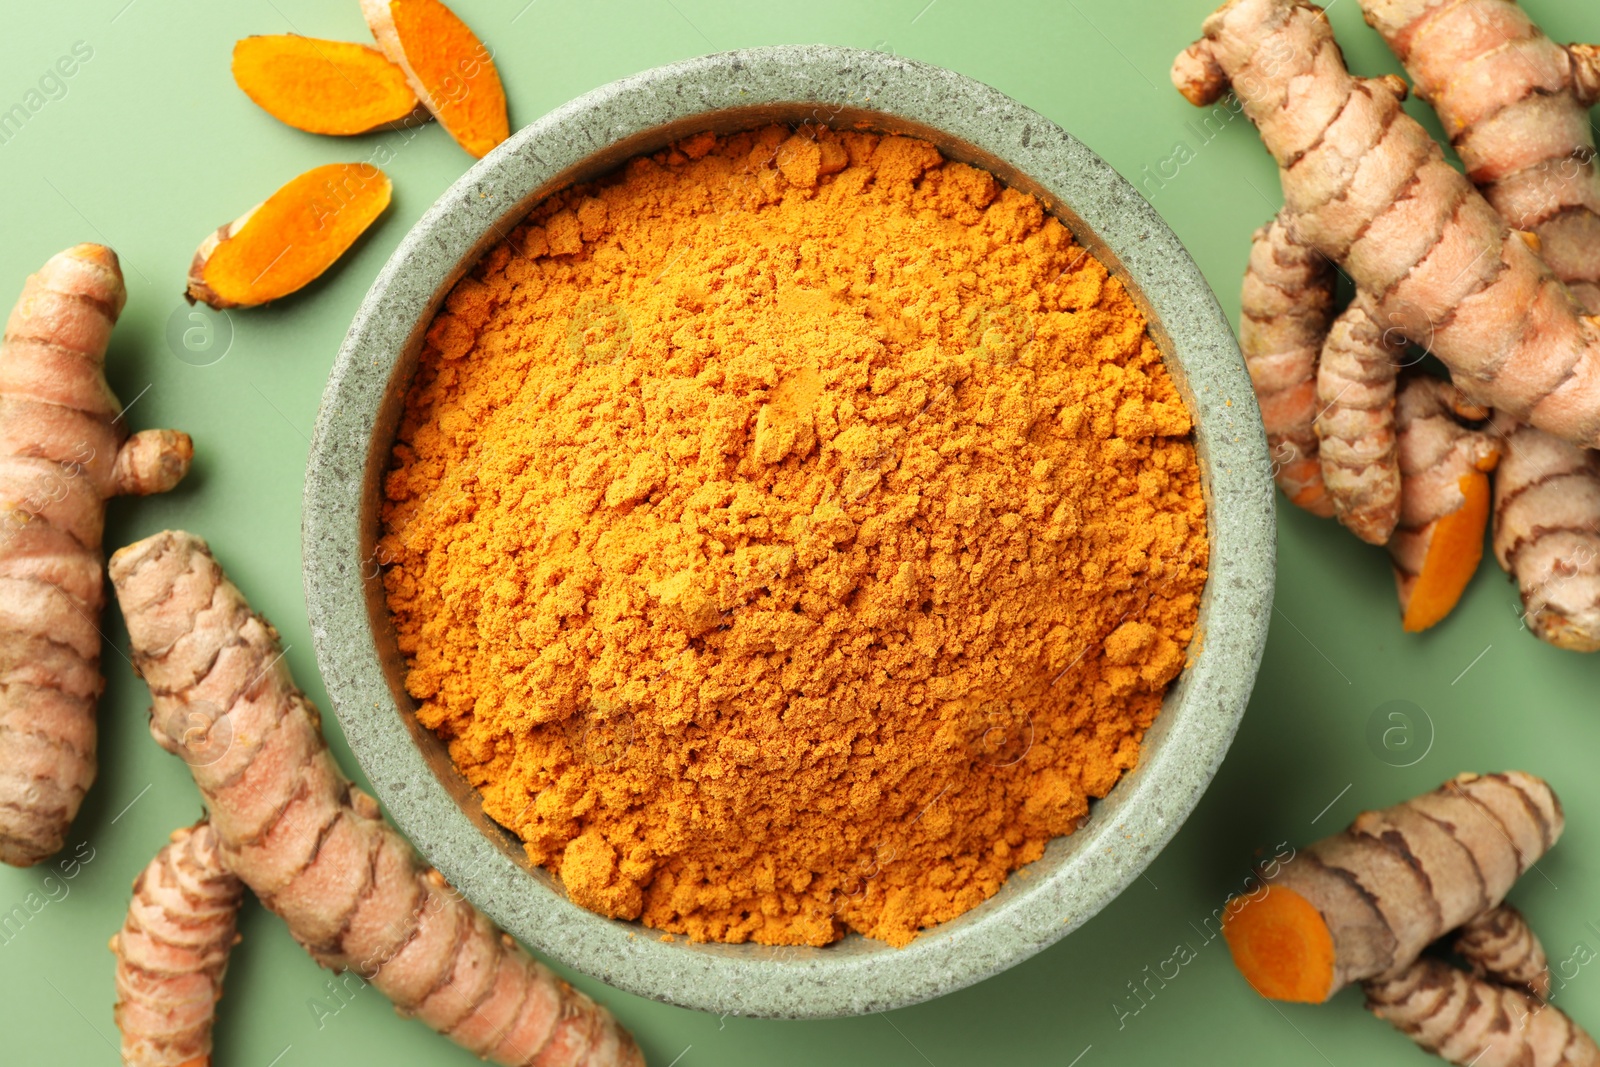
(149, 146)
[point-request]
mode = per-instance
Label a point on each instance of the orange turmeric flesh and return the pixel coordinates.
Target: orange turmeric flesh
(330, 87)
(287, 241)
(451, 70)
(1453, 556)
(1282, 945)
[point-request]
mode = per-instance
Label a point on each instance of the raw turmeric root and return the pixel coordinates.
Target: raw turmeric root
(1285, 307)
(1444, 498)
(64, 450)
(1516, 107)
(1499, 946)
(449, 68)
(172, 952)
(312, 846)
(287, 241)
(1470, 1021)
(1364, 903)
(1356, 423)
(1547, 534)
(1367, 187)
(331, 87)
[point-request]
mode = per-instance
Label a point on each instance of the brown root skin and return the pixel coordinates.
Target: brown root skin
(314, 848)
(62, 455)
(290, 239)
(1356, 424)
(450, 70)
(1444, 498)
(1285, 306)
(1366, 902)
(1469, 1021)
(1498, 945)
(1547, 534)
(172, 952)
(1366, 185)
(336, 88)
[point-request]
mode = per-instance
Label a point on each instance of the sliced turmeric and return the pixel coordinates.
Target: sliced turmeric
(1444, 498)
(1365, 902)
(288, 240)
(331, 87)
(452, 71)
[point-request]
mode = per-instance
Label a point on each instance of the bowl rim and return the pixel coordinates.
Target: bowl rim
(430, 801)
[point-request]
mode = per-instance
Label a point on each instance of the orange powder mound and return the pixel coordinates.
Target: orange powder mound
(789, 534)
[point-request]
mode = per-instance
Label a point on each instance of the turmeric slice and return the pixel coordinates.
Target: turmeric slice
(331, 87)
(450, 69)
(286, 242)
(1444, 499)
(1366, 902)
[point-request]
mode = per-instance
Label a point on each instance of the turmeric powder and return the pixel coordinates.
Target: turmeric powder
(789, 534)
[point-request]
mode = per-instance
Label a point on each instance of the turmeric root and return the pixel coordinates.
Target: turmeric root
(1470, 1021)
(1516, 107)
(172, 952)
(312, 846)
(331, 87)
(64, 449)
(1365, 902)
(1356, 423)
(1547, 534)
(1367, 187)
(1444, 498)
(1284, 310)
(284, 243)
(1500, 946)
(449, 68)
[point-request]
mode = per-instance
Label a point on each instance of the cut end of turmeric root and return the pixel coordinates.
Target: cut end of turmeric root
(286, 242)
(448, 67)
(1282, 945)
(1453, 556)
(328, 87)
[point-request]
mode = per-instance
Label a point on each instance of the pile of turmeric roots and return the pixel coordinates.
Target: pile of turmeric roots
(282, 820)
(1495, 273)
(427, 63)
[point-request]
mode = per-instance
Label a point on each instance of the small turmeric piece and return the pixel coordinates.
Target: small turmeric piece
(1473, 1022)
(1285, 308)
(286, 242)
(1356, 423)
(1546, 504)
(331, 87)
(1444, 498)
(64, 450)
(1498, 945)
(452, 72)
(315, 848)
(172, 952)
(1364, 903)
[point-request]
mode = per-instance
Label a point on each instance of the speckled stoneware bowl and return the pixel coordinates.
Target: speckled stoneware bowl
(364, 673)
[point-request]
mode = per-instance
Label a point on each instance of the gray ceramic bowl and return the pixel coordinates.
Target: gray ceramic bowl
(355, 644)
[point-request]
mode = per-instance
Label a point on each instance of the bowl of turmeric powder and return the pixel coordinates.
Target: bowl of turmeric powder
(789, 533)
